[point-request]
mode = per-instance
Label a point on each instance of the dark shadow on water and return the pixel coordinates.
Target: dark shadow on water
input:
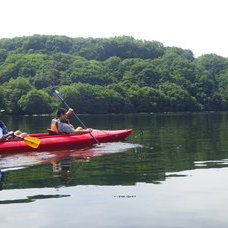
(31, 199)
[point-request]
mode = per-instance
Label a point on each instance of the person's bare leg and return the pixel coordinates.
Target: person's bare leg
(17, 133)
(20, 134)
(83, 130)
(79, 129)
(23, 135)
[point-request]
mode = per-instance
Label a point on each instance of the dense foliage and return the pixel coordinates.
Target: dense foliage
(115, 75)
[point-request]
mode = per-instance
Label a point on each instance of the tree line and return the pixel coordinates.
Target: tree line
(108, 75)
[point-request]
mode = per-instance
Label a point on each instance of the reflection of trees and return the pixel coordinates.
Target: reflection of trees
(69, 168)
(62, 167)
(102, 170)
(180, 139)
(2, 179)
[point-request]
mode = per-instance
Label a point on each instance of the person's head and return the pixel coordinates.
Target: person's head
(62, 114)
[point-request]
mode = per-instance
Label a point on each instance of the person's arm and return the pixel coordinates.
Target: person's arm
(4, 137)
(75, 131)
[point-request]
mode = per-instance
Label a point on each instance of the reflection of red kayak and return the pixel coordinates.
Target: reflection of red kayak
(61, 141)
(30, 158)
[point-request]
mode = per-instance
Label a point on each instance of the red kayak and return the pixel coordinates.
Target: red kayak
(48, 141)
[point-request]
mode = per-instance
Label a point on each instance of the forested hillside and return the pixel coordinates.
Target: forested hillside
(115, 75)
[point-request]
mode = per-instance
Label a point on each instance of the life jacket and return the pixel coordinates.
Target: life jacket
(54, 126)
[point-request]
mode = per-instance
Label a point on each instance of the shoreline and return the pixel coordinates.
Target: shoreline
(137, 113)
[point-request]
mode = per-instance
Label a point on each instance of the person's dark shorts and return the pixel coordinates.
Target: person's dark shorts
(13, 137)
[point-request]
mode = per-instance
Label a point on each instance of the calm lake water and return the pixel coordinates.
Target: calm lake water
(171, 172)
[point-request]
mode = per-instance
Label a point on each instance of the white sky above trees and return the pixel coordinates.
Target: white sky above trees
(199, 25)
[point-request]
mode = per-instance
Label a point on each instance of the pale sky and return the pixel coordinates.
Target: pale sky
(198, 25)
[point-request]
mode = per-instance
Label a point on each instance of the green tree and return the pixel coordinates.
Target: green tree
(35, 102)
(13, 91)
(223, 89)
(2, 98)
(146, 99)
(119, 74)
(177, 98)
(213, 63)
(188, 54)
(3, 55)
(45, 78)
(92, 72)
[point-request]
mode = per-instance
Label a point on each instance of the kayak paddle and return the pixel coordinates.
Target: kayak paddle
(31, 141)
(56, 94)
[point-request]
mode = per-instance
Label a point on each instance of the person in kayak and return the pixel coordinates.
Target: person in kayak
(5, 134)
(62, 125)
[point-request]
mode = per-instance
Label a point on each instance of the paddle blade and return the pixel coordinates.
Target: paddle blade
(56, 93)
(32, 142)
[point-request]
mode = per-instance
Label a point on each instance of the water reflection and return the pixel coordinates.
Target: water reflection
(212, 163)
(177, 179)
(2, 179)
(66, 165)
